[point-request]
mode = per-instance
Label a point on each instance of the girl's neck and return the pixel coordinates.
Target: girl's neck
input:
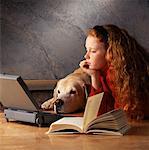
(104, 70)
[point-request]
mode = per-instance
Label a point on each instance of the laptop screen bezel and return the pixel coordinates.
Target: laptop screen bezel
(29, 100)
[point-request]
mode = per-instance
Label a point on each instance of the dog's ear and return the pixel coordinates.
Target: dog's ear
(86, 90)
(85, 87)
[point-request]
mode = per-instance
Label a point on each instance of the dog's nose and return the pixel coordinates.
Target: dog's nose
(59, 102)
(58, 105)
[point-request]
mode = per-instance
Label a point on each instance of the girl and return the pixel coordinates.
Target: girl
(117, 65)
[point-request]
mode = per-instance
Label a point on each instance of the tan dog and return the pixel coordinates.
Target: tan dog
(69, 94)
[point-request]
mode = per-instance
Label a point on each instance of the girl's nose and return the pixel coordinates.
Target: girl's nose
(86, 56)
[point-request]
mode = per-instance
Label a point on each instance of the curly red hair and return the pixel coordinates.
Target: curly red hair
(130, 70)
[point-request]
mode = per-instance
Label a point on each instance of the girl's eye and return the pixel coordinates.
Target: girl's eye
(58, 92)
(93, 51)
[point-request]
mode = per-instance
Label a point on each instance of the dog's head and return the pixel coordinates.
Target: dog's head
(69, 95)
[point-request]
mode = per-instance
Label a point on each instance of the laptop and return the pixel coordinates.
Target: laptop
(19, 103)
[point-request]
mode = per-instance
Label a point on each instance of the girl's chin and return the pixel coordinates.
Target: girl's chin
(92, 67)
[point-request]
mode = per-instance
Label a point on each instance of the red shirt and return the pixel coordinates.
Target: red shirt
(108, 100)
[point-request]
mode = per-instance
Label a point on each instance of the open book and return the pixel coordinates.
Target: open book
(110, 123)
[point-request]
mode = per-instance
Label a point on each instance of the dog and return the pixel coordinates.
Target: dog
(70, 94)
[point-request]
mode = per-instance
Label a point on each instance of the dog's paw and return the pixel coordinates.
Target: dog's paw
(49, 104)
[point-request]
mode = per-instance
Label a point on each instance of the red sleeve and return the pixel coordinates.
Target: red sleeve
(108, 100)
(107, 103)
(93, 91)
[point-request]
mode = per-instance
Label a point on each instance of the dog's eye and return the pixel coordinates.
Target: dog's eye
(72, 92)
(58, 92)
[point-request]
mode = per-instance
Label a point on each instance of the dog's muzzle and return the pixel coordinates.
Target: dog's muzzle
(58, 104)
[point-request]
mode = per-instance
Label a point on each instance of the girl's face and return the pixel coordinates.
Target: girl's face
(95, 55)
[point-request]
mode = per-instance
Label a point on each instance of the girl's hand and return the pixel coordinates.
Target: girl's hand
(84, 65)
(94, 74)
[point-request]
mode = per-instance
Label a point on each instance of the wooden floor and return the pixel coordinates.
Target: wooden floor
(17, 136)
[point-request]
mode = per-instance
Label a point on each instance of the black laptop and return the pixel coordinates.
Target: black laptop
(19, 103)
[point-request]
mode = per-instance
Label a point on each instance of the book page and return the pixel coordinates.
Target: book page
(91, 109)
(116, 116)
(75, 123)
(121, 131)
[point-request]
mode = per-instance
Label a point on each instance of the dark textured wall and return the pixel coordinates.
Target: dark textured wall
(0, 43)
(44, 39)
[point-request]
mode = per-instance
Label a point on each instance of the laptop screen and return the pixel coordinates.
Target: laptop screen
(14, 94)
